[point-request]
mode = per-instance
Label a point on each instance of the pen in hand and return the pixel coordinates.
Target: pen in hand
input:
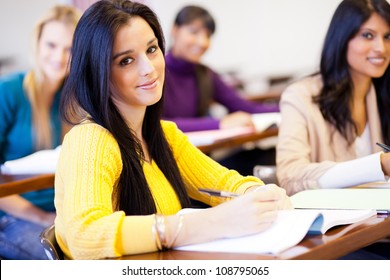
(384, 147)
(218, 193)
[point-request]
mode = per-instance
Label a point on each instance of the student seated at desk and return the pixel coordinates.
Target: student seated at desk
(191, 87)
(331, 121)
(123, 173)
(30, 121)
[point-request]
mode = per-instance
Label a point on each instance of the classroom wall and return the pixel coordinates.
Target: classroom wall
(260, 38)
(254, 38)
(17, 18)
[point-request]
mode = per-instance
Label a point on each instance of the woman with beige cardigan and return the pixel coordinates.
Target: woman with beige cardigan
(332, 121)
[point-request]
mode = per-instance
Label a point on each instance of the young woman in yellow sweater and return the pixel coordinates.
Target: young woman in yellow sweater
(123, 174)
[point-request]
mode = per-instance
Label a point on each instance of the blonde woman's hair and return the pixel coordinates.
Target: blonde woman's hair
(33, 82)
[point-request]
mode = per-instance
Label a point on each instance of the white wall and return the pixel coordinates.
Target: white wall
(17, 18)
(260, 38)
(256, 38)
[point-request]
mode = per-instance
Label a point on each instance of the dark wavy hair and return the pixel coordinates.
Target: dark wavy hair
(187, 15)
(87, 93)
(335, 96)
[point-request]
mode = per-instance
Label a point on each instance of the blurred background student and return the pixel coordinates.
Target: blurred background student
(191, 88)
(30, 121)
(332, 120)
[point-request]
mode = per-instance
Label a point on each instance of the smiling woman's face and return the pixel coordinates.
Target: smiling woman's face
(54, 47)
(191, 41)
(368, 52)
(137, 70)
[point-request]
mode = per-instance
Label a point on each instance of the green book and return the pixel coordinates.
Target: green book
(350, 198)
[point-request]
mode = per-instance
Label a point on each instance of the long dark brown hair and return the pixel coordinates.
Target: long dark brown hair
(87, 92)
(335, 96)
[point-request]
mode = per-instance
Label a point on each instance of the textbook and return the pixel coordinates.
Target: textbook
(377, 198)
(290, 227)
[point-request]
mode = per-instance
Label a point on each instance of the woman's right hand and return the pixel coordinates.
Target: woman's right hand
(252, 212)
(385, 163)
(247, 214)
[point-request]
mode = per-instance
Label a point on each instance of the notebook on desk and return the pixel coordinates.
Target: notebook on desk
(349, 198)
(290, 227)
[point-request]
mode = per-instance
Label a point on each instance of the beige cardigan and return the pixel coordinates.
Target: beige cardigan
(308, 146)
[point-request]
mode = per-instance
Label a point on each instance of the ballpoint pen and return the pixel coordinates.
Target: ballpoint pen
(383, 212)
(218, 193)
(384, 147)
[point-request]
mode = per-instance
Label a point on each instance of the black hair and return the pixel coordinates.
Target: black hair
(87, 94)
(336, 94)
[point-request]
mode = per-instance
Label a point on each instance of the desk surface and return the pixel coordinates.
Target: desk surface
(16, 184)
(336, 243)
(239, 140)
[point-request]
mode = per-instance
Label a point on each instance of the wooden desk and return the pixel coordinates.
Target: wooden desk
(272, 96)
(239, 140)
(336, 243)
(16, 184)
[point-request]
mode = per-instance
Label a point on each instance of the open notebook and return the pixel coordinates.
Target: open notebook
(290, 227)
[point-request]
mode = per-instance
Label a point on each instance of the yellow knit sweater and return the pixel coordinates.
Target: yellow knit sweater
(88, 171)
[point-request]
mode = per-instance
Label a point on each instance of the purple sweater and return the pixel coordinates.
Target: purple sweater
(181, 97)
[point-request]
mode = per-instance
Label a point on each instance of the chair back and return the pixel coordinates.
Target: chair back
(49, 243)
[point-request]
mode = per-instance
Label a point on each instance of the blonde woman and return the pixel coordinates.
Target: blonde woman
(30, 121)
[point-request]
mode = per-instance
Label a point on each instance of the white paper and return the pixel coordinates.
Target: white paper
(288, 230)
(206, 137)
(41, 162)
(263, 121)
(290, 227)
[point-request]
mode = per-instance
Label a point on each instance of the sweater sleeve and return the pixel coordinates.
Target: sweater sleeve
(200, 171)
(295, 170)
(8, 105)
(86, 225)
